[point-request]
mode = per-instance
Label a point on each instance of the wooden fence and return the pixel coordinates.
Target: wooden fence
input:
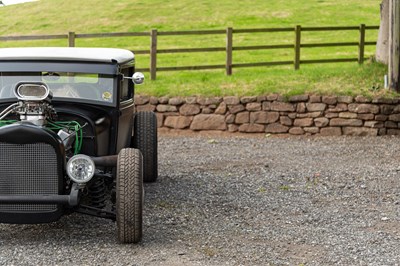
(228, 49)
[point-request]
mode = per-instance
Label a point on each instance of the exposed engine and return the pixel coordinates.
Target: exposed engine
(34, 106)
(37, 113)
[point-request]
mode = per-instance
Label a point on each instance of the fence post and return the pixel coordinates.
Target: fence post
(394, 48)
(297, 43)
(229, 48)
(361, 44)
(71, 39)
(153, 54)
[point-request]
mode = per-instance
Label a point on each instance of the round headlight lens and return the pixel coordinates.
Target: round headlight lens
(80, 168)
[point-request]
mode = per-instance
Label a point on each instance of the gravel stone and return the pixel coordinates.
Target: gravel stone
(242, 201)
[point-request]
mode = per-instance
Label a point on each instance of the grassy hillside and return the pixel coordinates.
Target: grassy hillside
(93, 16)
(55, 16)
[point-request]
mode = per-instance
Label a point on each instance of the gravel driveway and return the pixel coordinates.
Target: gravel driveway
(243, 201)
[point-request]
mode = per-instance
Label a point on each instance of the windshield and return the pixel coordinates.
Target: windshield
(64, 86)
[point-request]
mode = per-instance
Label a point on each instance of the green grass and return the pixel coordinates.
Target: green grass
(334, 79)
(94, 16)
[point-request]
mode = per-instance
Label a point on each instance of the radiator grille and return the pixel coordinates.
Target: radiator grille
(28, 169)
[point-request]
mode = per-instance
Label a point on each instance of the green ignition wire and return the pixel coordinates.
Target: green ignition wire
(70, 126)
(58, 125)
(7, 122)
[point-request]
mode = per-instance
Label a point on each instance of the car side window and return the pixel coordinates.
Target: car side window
(126, 87)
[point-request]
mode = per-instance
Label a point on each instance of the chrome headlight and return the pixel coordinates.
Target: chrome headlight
(32, 91)
(80, 168)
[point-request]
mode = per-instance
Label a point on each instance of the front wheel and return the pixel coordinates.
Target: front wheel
(129, 195)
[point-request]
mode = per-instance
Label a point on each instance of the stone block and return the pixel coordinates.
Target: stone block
(387, 109)
(316, 107)
(230, 118)
(264, 117)
(160, 119)
(340, 107)
(242, 118)
(345, 122)
(272, 97)
(298, 98)
(252, 128)
(189, 109)
(266, 106)
(394, 117)
(282, 107)
(276, 128)
(345, 99)
(209, 100)
(321, 121)
(208, 122)
(146, 108)
(329, 99)
(331, 115)
(331, 131)
(393, 132)
(176, 101)
(391, 124)
(286, 121)
(178, 122)
(221, 109)
(315, 99)
(153, 100)
(312, 130)
(396, 110)
(381, 117)
(303, 122)
(382, 131)
(261, 98)
(347, 115)
(296, 131)
(362, 99)
(141, 99)
(363, 108)
(162, 108)
(365, 116)
(374, 124)
(231, 100)
(163, 100)
(191, 100)
(309, 115)
(206, 110)
(248, 99)
(360, 131)
(301, 108)
(383, 100)
(233, 109)
(253, 106)
(233, 128)
(171, 114)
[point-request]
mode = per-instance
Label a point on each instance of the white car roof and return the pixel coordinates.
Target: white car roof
(105, 55)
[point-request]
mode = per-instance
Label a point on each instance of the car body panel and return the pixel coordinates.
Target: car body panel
(100, 102)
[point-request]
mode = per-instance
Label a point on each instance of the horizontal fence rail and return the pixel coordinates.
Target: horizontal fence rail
(228, 49)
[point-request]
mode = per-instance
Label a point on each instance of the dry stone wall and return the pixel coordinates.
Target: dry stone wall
(273, 114)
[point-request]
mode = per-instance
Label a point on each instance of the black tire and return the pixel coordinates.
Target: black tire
(129, 196)
(145, 139)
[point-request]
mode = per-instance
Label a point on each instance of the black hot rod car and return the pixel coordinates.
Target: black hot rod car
(70, 139)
